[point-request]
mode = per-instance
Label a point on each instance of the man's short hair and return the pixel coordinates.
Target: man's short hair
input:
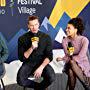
(30, 18)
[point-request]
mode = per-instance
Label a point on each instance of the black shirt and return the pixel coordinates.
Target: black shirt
(43, 51)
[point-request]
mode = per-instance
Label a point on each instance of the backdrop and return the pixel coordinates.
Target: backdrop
(54, 15)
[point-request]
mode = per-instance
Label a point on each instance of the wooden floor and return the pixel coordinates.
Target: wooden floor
(59, 84)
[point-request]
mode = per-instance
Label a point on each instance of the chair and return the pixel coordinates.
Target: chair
(2, 73)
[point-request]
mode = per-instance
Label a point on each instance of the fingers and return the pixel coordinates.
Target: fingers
(58, 59)
(35, 44)
(37, 75)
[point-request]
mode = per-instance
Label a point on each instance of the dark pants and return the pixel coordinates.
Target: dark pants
(73, 71)
(27, 70)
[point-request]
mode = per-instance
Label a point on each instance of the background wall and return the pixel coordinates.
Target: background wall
(53, 15)
(53, 18)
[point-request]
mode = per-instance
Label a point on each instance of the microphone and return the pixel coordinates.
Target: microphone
(70, 49)
(35, 41)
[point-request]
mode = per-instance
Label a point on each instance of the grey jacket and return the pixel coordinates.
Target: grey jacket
(3, 53)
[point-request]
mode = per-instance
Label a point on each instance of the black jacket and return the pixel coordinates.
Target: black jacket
(43, 51)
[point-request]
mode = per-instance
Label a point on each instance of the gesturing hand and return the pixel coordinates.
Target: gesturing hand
(34, 44)
(38, 72)
(59, 59)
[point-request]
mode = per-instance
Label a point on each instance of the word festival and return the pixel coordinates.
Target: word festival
(27, 2)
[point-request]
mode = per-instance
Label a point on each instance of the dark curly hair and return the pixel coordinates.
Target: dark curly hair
(78, 24)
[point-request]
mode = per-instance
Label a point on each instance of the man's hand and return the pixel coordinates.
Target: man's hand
(38, 72)
(35, 44)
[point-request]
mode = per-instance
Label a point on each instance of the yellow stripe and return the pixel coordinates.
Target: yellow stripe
(56, 13)
(2, 3)
(74, 7)
(71, 7)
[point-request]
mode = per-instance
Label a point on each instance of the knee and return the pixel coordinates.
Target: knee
(20, 80)
(49, 74)
(72, 62)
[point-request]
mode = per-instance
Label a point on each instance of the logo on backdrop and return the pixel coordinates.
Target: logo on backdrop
(2, 3)
(22, 6)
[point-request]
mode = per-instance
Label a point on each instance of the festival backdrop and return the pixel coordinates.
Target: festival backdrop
(53, 14)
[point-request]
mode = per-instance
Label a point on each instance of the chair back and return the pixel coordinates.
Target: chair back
(2, 70)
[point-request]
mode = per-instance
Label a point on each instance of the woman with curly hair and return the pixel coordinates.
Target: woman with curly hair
(77, 66)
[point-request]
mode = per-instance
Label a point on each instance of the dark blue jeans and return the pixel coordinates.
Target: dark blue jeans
(27, 69)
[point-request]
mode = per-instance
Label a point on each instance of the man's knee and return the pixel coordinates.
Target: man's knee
(49, 74)
(20, 79)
